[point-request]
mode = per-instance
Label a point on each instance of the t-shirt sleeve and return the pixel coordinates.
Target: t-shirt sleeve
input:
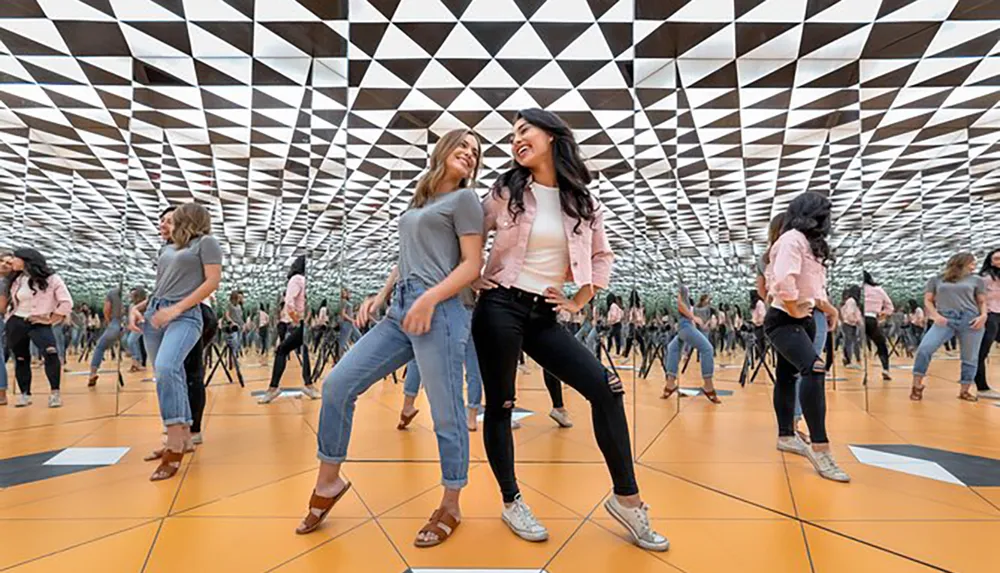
(932, 285)
(685, 294)
(980, 287)
(211, 251)
(468, 214)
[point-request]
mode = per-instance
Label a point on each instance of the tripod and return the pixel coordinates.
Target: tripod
(329, 349)
(758, 345)
(226, 357)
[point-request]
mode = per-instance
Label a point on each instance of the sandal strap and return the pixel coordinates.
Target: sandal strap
(442, 524)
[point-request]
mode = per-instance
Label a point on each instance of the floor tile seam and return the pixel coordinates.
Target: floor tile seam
(240, 492)
(81, 544)
(60, 424)
(325, 542)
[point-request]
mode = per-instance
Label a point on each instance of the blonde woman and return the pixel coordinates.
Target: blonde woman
(956, 302)
(188, 270)
(440, 254)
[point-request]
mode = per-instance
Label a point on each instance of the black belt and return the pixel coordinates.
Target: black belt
(523, 296)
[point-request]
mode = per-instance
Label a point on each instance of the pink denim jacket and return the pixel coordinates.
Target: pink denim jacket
(295, 298)
(793, 273)
(992, 294)
(53, 300)
(590, 253)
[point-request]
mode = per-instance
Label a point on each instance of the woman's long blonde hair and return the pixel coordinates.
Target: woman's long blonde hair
(438, 167)
(958, 267)
(191, 221)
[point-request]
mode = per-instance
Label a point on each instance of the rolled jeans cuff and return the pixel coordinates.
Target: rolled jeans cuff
(455, 484)
(330, 459)
(176, 421)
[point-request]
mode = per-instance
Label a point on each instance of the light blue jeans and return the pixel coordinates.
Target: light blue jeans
(236, 339)
(167, 348)
(969, 341)
(110, 335)
(133, 340)
(440, 356)
(3, 356)
(819, 345)
(688, 334)
(473, 379)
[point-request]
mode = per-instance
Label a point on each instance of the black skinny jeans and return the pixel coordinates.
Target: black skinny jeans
(20, 335)
(989, 337)
(262, 336)
(792, 339)
(291, 343)
(554, 386)
(194, 367)
(874, 333)
(504, 322)
(615, 339)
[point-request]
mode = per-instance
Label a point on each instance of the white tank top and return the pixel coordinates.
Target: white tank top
(547, 256)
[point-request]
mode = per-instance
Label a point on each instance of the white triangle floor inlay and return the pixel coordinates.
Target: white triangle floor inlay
(904, 464)
(87, 457)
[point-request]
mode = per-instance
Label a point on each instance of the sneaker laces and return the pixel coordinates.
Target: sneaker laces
(826, 462)
(523, 513)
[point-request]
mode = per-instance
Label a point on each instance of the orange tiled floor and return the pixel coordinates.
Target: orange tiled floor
(718, 488)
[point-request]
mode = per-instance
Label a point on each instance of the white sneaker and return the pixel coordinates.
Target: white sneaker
(636, 521)
(793, 445)
(23, 400)
(853, 367)
(311, 392)
(561, 418)
(886, 376)
(989, 395)
(522, 521)
(196, 439)
(826, 466)
(55, 400)
(269, 396)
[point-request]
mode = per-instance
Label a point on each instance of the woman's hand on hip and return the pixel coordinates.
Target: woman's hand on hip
(482, 284)
(418, 319)
(556, 297)
(980, 321)
(164, 316)
(135, 320)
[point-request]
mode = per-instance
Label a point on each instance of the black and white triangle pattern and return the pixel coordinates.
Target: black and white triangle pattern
(304, 124)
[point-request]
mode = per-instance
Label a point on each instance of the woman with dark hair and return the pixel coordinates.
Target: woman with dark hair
(263, 322)
(322, 325)
(38, 299)
(914, 324)
(188, 270)
(851, 323)
(133, 340)
(440, 254)
(691, 331)
(878, 306)
(956, 302)
(549, 229)
(235, 323)
(796, 281)
(293, 317)
(614, 321)
(991, 275)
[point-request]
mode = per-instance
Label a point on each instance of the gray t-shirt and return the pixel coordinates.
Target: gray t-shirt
(429, 248)
(180, 272)
(114, 296)
(702, 312)
(236, 314)
(960, 295)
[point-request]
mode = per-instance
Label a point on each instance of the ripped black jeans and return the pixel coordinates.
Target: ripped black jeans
(20, 335)
(509, 320)
(792, 339)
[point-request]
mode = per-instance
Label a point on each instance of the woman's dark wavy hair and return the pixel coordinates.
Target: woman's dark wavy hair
(572, 175)
(298, 267)
(810, 214)
(989, 269)
(853, 291)
(35, 266)
(868, 280)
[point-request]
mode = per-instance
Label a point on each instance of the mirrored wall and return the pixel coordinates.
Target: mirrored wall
(304, 136)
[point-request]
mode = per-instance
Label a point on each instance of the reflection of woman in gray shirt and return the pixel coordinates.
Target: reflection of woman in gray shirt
(956, 302)
(440, 253)
(188, 271)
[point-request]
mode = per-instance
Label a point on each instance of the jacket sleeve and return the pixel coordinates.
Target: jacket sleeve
(786, 257)
(64, 301)
(601, 256)
(888, 307)
(491, 206)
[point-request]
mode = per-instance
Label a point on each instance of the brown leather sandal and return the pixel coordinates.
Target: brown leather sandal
(404, 420)
(325, 505)
(712, 396)
(917, 393)
(442, 524)
(668, 392)
(93, 381)
(170, 463)
(158, 454)
(968, 396)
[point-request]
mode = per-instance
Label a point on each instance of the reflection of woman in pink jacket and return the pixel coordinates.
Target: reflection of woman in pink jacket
(38, 299)
(852, 322)
(878, 306)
